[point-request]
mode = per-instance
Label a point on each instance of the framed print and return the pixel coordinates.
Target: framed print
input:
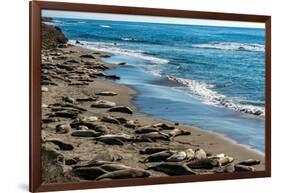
(123, 96)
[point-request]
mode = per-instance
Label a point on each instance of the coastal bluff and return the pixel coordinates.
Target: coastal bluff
(51, 36)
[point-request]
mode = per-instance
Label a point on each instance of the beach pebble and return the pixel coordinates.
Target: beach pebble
(62, 128)
(110, 119)
(250, 162)
(121, 109)
(44, 89)
(85, 133)
(103, 104)
(107, 93)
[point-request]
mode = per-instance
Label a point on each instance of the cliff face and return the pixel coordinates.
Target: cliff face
(51, 36)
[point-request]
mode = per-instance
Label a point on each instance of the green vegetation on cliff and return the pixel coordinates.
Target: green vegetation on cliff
(51, 36)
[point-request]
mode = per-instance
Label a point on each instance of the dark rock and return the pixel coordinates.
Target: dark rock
(122, 63)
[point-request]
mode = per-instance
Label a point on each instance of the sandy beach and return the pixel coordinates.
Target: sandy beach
(89, 121)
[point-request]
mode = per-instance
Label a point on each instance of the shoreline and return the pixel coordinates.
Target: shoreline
(213, 143)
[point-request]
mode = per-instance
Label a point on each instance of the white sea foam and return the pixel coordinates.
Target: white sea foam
(112, 48)
(126, 39)
(105, 26)
(232, 46)
(204, 91)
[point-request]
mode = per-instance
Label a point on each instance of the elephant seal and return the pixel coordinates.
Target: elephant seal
(112, 141)
(250, 162)
(151, 150)
(200, 154)
(88, 173)
(243, 168)
(124, 174)
(190, 154)
(202, 164)
(114, 167)
(173, 169)
(155, 136)
(177, 132)
(146, 130)
(176, 157)
(157, 157)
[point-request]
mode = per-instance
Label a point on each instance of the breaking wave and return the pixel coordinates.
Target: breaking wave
(234, 46)
(206, 93)
(112, 48)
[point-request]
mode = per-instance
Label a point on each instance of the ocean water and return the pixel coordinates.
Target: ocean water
(206, 76)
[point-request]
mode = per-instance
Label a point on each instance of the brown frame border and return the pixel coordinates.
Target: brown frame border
(35, 7)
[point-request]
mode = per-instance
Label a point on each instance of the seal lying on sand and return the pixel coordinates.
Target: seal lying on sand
(124, 174)
(173, 169)
(158, 157)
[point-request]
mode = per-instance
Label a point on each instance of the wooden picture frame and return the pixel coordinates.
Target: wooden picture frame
(35, 94)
